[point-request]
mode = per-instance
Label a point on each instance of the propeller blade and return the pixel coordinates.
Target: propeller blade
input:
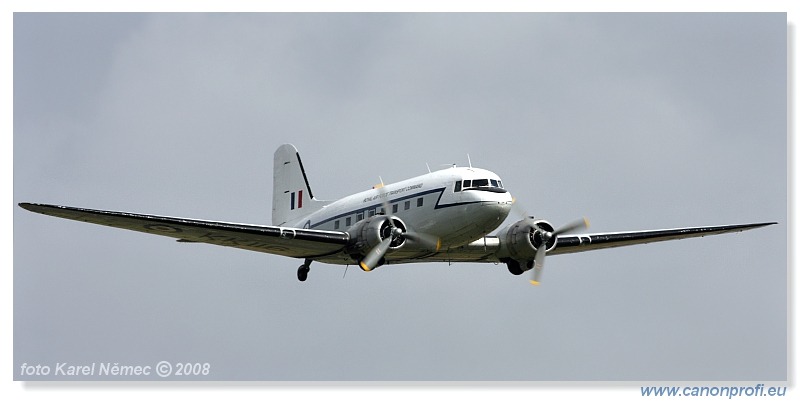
(385, 203)
(520, 211)
(384, 199)
(429, 242)
(577, 224)
(374, 256)
(538, 265)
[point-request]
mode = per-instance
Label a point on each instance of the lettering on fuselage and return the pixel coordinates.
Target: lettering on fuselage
(391, 193)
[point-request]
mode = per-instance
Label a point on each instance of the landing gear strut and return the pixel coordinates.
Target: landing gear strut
(302, 271)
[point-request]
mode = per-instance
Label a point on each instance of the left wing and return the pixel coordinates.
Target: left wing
(292, 242)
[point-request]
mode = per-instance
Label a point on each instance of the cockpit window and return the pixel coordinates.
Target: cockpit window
(492, 185)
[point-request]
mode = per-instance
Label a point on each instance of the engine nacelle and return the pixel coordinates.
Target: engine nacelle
(368, 233)
(522, 240)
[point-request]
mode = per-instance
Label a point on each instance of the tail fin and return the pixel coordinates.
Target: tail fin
(291, 194)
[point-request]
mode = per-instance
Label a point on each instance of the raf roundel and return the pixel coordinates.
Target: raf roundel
(161, 228)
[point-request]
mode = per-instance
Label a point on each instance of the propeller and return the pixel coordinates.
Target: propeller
(538, 266)
(426, 241)
(541, 252)
(374, 256)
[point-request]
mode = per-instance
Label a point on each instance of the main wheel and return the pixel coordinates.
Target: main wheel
(302, 273)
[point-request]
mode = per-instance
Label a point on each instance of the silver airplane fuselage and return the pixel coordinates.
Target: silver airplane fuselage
(457, 205)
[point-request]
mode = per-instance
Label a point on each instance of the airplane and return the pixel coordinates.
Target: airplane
(442, 216)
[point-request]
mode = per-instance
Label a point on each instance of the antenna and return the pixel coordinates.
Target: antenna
(429, 167)
(469, 160)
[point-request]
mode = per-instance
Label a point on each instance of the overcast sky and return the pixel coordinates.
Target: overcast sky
(636, 121)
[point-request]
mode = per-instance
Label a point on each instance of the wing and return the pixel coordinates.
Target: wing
(587, 242)
(490, 249)
(292, 242)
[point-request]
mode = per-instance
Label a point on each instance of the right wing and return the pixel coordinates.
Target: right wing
(587, 242)
(489, 249)
(292, 242)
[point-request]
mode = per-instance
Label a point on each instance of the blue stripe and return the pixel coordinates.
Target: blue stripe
(380, 205)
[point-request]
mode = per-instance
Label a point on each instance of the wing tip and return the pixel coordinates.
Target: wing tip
(30, 206)
(761, 224)
(41, 208)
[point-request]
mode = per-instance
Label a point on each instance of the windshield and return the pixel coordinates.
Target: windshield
(493, 185)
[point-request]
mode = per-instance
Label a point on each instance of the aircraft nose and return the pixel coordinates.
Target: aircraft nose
(501, 207)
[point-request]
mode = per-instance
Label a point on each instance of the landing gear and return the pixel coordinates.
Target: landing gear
(514, 267)
(302, 271)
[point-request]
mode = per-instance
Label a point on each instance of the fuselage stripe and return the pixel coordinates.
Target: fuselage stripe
(400, 199)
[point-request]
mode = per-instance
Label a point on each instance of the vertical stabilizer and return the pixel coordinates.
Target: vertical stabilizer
(292, 198)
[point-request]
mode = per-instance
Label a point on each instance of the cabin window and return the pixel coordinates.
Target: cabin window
(371, 213)
(467, 184)
(348, 221)
(419, 202)
(336, 224)
(360, 216)
(458, 187)
(407, 205)
(394, 208)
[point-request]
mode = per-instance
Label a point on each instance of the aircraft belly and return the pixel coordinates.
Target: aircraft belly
(481, 219)
(462, 239)
(460, 228)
